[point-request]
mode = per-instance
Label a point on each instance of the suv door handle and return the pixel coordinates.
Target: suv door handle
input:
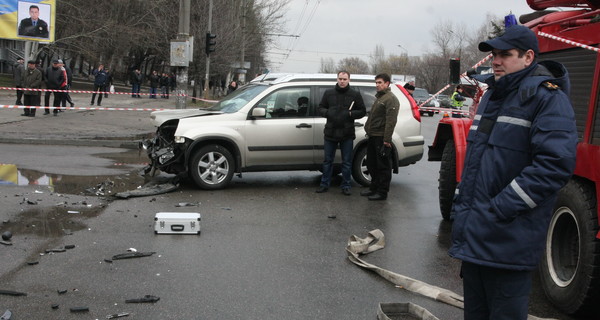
(303, 125)
(358, 124)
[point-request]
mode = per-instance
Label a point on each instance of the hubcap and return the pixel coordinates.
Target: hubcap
(213, 168)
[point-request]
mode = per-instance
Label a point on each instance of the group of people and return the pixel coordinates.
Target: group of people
(342, 105)
(56, 77)
(165, 81)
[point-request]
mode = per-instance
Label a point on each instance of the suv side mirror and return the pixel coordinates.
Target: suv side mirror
(259, 112)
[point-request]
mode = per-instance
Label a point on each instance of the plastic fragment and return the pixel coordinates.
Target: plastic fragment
(54, 306)
(188, 204)
(12, 293)
(146, 299)
(130, 255)
(31, 263)
(79, 309)
(117, 315)
(70, 246)
(7, 315)
(6, 243)
(61, 291)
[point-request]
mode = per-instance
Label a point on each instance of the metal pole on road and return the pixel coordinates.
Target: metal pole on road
(182, 72)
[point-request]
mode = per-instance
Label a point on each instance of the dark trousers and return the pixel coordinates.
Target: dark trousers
(19, 96)
(380, 167)
(495, 294)
(135, 90)
(31, 100)
(100, 90)
(58, 97)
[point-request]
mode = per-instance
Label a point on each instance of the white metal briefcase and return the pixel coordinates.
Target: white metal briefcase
(177, 223)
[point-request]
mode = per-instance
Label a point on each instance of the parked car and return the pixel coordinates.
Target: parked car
(270, 126)
(421, 95)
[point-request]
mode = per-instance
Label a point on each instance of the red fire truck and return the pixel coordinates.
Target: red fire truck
(570, 268)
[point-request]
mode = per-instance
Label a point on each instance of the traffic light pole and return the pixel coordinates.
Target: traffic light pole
(207, 76)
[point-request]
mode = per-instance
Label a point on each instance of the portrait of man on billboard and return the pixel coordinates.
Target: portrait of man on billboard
(34, 26)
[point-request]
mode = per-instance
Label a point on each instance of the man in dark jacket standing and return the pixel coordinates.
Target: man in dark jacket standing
(520, 152)
(18, 70)
(56, 79)
(380, 128)
(340, 105)
(32, 79)
(101, 77)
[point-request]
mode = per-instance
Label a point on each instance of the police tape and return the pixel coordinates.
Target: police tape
(567, 41)
(82, 108)
(108, 92)
(464, 74)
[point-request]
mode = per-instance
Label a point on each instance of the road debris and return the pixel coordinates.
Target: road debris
(130, 255)
(117, 315)
(188, 204)
(6, 235)
(146, 299)
(149, 189)
(6, 243)
(7, 315)
(79, 309)
(12, 293)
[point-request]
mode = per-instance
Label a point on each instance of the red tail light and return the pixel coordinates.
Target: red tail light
(413, 104)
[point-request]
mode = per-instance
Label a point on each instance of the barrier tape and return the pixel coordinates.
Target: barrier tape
(464, 74)
(81, 108)
(108, 92)
(571, 42)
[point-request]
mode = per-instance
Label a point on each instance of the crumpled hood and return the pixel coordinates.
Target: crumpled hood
(159, 117)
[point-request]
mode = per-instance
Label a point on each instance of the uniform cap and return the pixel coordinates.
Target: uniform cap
(515, 37)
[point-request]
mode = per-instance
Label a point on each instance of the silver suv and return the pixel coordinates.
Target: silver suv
(270, 126)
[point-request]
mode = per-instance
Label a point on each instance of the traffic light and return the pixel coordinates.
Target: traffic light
(210, 43)
(455, 71)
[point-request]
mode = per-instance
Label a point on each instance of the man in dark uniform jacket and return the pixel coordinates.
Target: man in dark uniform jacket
(33, 26)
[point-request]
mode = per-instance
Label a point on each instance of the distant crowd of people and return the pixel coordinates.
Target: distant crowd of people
(165, 81)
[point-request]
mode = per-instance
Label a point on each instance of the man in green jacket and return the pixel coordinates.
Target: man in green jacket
(32, 79)
(380, 128)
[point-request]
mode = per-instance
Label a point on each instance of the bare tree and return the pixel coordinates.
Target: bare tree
(354, 65)
(327, 66)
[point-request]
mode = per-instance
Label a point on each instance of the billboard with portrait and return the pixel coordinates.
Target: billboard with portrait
(28, 20)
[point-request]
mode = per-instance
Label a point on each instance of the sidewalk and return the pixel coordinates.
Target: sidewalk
(110, 128)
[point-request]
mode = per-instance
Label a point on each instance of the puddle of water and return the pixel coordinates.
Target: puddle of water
(50, 222)
(12, 175)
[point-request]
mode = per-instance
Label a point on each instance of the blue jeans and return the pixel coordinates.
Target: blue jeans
(329, 148)
(152, 93)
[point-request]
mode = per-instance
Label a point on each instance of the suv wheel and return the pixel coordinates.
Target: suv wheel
(359, 167)
(212, 167)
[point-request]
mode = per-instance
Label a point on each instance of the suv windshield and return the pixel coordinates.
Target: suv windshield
(238, 98)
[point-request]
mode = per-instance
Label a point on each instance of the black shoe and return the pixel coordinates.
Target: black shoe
(24, 114)
(99, 105)
(322, 189)
(46, 113)
(346, 192)
(31, 115)
(91, 104)
(367, 193)
(377, 196)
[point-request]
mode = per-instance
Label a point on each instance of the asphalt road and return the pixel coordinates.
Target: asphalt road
(268, 248)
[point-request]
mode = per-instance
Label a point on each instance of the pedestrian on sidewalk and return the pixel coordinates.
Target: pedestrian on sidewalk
(32, 79)
(18, 70)
(136, 82)
(66, 97)
(154, 83)
(55, 78)
(99, 84)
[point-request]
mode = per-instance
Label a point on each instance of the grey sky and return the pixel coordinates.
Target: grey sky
(352, 28)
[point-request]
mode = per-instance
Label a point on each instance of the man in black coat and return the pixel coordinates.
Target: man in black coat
(33, 26)
(341, 106)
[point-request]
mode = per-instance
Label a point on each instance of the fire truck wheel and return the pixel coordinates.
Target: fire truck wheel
(570, 267)
(212, 167)
(447, 181)
(359, 167)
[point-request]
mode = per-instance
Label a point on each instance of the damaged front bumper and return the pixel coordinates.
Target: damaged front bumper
(165, 153)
